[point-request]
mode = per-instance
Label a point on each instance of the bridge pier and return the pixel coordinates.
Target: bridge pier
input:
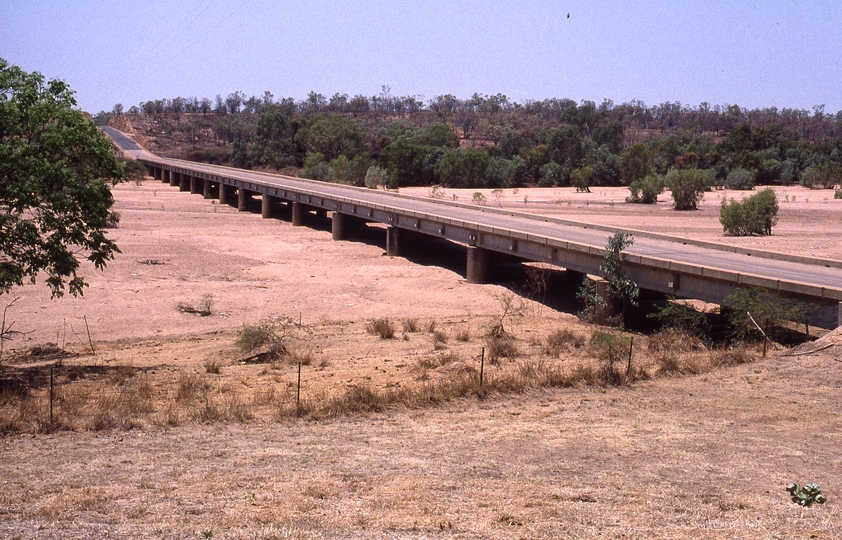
(223, 193)
(243, 199)
(165, 176)
(266, 206)
(297, 214)
(338, 224)
(477, 270)
(194, 185)
(183, 182)
(321, 213)
(206, 189)
(173, 178)
(393, 242)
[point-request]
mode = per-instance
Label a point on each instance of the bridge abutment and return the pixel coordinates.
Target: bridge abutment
(338, 226)
(393, 241)
(477, 269)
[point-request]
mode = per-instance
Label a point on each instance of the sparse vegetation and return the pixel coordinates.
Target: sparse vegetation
(806, 495)
(646, 191)
(204, 309)
(381, 327)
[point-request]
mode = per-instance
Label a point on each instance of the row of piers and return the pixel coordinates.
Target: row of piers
(479, 261)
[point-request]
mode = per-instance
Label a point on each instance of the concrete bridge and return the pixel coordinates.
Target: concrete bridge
(682, 267)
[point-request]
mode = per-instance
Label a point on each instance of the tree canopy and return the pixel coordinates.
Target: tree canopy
(55, 170)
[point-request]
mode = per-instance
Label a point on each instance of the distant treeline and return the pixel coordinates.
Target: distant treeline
(490, 141)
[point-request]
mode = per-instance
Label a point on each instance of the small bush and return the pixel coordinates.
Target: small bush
(646, 191)
(268, 338)
(381, 327)
(212, 366)
(687, 187)
(499, 347)
(410, 326)
(463, 335)
(838, 194)
(439, 339)
(807, 495)
(203, 310)
(754, 216)
(739, 179)
(561, 340)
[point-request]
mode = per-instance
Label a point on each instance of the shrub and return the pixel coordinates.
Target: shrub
(499, 347)
(822, 176)
(410, 325)
(687, 187)
(838, 194)
(375, 176)
(268, 337)
(381, 327)
(755, 215)
(739, 179)
(680, 317)
(646, 191)
(549, 174)
(768, 309)
(560, 340)
(581, 178)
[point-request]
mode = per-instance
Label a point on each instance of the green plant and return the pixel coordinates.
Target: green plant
(478, 198)
(620, 286)
(838, 194)
(55, 171)
(768, 309)
(739, 179)
(646, 191)
(822, 176)
(681, 316)
(687, 187)
(754, 215)
(806, 495)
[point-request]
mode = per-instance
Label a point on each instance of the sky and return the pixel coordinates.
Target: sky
(755, 54)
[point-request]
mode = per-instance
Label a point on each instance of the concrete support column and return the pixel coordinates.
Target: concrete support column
(267, 206)
(223, 193)
(194, 185)
(393, 242)
(243, 198)
(165, 176)
(337, 226)
(477, 271)
(206, 189)
(173, 178)
(183, 182)
(611, 308)
(297, 214)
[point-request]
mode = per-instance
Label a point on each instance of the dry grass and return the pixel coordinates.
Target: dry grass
(381, 327)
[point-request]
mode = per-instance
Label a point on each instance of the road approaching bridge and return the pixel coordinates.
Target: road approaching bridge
(683, 267)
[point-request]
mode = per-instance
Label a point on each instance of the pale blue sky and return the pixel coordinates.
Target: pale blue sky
(754, 54)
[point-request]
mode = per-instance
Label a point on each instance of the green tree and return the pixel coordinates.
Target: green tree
(581, 179)
(333, 136)
(822, 176)
(55, 170)
(646, 191)
(635, 163)
(687, 187)
(739, 179)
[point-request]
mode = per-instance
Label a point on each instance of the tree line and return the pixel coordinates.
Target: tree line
(491, 141)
